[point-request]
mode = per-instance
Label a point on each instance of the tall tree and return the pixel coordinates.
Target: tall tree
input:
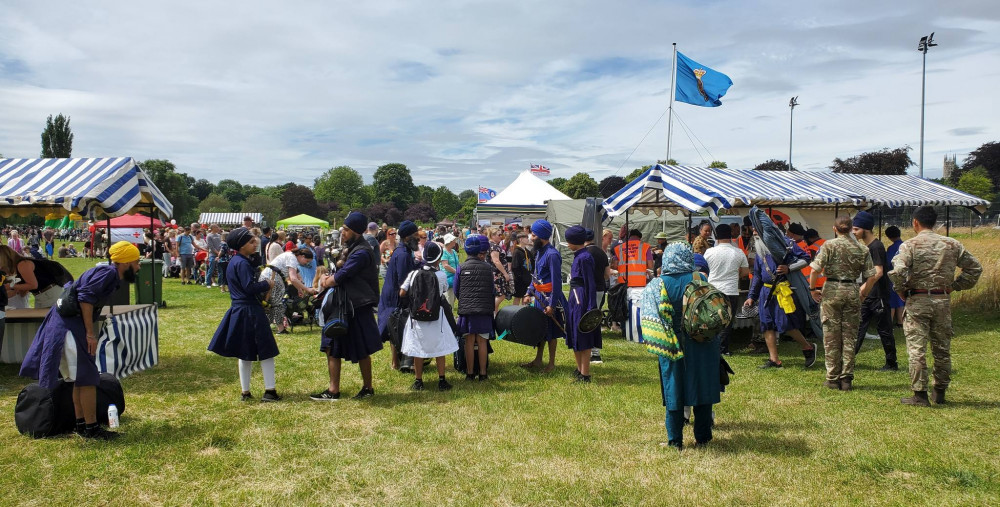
(57, 138)
(773, 165)
(976, 182)
(445, 202)
(202, 188)
(298, 200)
(464, 214)
(580, 186)
(263, 204)
(232, 190)
(425, 194)
(986, 156)
(420, 212)
(174, 186)
(380, 212)
(608, 186)
(558, 183)
(393, 182)
(467, 194)
(342, 185)
(884, 161)
(214, 203)
(718, 164)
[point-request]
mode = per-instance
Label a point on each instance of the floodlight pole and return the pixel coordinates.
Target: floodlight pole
(924, 44)
(791, 115)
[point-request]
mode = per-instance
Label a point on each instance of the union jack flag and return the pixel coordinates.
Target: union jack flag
(485, 194)
(539, 169)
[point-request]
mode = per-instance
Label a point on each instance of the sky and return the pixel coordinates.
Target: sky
(469, 93)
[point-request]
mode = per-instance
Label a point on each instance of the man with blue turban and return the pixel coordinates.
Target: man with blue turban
(582, 299)
(546, 291)
(876, 306)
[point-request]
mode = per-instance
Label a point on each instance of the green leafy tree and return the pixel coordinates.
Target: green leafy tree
(201, 188)
(342, 185)
(265, 205)
(298, 200)
(174, 186)
(214, 203)
(393, 183)
(773, 165)
(976, 182)
(57, 138)
(467, 194)
(884, 161)
(986, 156)
(425, 194)
(580, 186)
(445, 202)
(232, 190)
(419, 212)
(277, 191)
(558, 183)
(718, 164)
(468, 209)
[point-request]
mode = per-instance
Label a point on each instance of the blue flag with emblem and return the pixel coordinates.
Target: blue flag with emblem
(698, 84)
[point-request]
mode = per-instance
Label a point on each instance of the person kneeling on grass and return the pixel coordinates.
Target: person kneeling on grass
(582, 299)
(427, 333)
(66, 344)
(245, 332)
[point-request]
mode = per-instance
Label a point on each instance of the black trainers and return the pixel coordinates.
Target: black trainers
(246, 397)
(483, 377)
(470, 376)
(596, 359)
(889, 367)
(576, 373)
(582, 378)
(810, 355)
(97, 432)
(326, 395)
(418, 385)
(769, 364)
(443, 385)
(270, 395)
(365, 392)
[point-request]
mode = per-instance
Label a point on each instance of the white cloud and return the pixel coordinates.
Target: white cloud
(469, 92)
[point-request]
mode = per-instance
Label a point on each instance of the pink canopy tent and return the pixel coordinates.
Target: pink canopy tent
(130, 221)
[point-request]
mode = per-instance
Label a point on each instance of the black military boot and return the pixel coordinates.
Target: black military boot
(938, 396)
(919, 399)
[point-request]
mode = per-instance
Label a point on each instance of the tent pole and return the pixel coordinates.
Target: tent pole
(947, 221)
(836, 210)
(880, 223)
(625, 250)
(687, 230)
(152, 230)
(111, 305)
(670, 114)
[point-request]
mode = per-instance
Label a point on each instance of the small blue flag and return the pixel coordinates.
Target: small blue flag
(698, 84)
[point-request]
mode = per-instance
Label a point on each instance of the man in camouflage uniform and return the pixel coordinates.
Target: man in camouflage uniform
(842, 260)
(924, 275)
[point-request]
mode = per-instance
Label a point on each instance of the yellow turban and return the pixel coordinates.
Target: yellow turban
(124, 252)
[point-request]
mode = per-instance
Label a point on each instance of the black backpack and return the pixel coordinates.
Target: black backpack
(425, 296)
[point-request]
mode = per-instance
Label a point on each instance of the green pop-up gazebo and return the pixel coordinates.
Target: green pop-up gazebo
(303, 221)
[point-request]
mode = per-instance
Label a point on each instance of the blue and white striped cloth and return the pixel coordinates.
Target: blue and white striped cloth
(129, 342)
(87, 186)
(903, 190)
(653, 188)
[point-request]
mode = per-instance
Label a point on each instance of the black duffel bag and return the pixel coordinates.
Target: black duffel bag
(41, 412)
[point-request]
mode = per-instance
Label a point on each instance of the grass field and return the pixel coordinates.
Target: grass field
(521, 438)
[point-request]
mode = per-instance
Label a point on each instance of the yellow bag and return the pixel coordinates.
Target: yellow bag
(783, 292)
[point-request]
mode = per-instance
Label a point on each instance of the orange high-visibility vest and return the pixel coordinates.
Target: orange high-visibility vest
(813, 250)
(632, 263)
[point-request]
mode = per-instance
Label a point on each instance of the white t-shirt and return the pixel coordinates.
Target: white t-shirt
(285, 261)
(724, 263)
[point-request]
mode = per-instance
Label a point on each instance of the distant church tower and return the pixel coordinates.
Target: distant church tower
(950, 166)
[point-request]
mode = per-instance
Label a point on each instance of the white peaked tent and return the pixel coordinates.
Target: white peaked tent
(525, 197)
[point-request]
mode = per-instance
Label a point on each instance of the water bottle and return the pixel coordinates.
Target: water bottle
(112, 416)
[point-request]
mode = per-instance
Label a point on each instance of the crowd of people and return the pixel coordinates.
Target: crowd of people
(851, 281)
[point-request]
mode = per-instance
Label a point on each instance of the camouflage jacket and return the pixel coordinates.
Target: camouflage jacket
(928, 262)
(843, 259)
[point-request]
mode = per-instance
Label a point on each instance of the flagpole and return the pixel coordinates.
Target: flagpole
(670, 114)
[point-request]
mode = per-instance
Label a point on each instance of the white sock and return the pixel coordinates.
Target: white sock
(267, 368)
(245, 367)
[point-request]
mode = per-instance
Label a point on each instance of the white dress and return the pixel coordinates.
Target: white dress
(429, 339)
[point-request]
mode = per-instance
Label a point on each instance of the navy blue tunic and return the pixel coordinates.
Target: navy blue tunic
(95, 286)
(548, 266)
(362, 338)
(582, 298)
(399, 265)
(244, 332)
(772, 317)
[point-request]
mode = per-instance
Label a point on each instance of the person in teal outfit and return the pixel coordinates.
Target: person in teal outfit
(691, 376)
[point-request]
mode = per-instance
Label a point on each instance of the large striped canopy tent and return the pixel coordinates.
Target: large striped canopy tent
(903, 190)
(88, 186)
(229, 218)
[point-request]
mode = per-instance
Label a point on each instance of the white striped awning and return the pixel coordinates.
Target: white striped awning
(902, 190)
(229, 218)
(88, 186)
(655, 189)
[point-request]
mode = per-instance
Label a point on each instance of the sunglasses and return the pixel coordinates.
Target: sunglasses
(392, 233)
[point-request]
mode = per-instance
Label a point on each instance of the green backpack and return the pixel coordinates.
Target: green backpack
(706, 310)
